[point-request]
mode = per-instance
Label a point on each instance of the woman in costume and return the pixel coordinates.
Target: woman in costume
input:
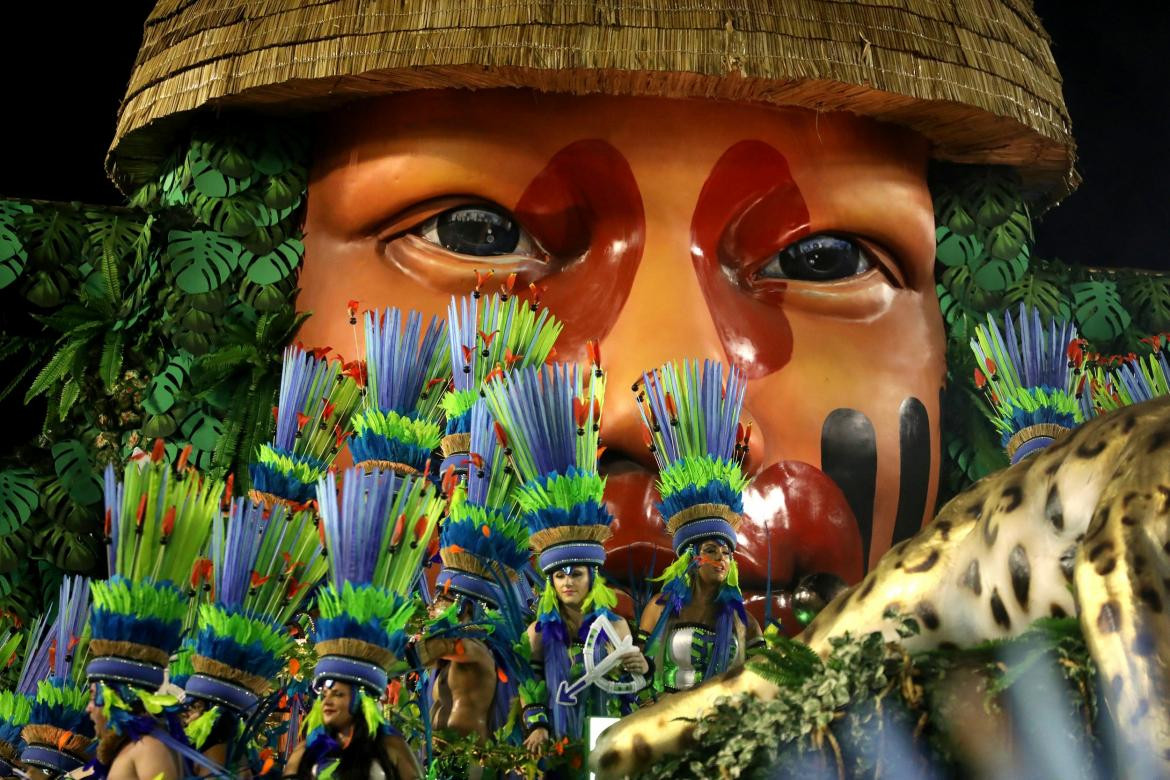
(375, 538)
(697, 627)
(551, 418)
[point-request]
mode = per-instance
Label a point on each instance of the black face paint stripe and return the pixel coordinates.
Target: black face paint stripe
(914, 479)
(849, 457)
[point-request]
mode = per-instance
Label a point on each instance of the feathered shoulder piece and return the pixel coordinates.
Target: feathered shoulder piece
(59, 732)
(551, 416)
(397, 427)
(484, 542)
(691, 418)
(487, 336)
(376, 535)
(157, 522)
(1023, 369)
(263, 566)
(317, 397)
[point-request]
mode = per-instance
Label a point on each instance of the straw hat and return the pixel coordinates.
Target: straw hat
(976, 77)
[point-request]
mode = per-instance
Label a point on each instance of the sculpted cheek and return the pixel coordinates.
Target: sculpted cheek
(586, 204)
(751, 189)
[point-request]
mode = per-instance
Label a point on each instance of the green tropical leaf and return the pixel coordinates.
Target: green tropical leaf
(18, 498)
(267, 217)
(996, 275)
(166, 385)
(201, 429)
(992, 196)
(120, 233)
(56, 369)
(75, 470)
(210, 181)
(1011, 237)
(1101, 316)
(110, 367)
(235, 217)
(953, 250)
(13, 256)
(1039, 293)
(1148, 297)
(50, 235)
(951, 213)
(201, 259)
(275, 265)
(70, 392)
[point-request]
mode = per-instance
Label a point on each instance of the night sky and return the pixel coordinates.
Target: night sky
(68, 67)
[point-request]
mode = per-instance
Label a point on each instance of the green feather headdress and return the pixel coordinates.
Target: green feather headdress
(157, 523)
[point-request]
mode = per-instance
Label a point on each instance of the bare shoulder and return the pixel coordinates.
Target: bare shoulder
(404, 760)
(650, 616)
(534, 642)
(621, 627)
(753, 627)
(293, 765)
(152, 759)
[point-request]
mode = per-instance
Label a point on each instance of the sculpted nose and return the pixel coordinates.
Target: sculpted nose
(665, 318)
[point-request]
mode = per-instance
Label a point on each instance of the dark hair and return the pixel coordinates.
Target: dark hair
(355, 760)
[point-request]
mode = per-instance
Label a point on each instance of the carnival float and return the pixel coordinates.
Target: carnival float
(555, 389)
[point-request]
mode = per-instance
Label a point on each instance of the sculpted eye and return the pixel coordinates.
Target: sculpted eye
(479, 231)
(820, 258)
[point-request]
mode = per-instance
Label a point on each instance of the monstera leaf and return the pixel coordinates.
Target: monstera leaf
(71, 552)
(1101, 316)
(1011, 237)
(52, 236)
(1037, 292)
(124, 235)
(996, 275)
(235, 217)
(18, 498)
(201, 429)
(165, 386)
(950, 212)
(275, 265)
(1148, 297)
(13, 256)
(992, 197)
(953, 250)
(201, 259)
(75, 470)
(210, 181)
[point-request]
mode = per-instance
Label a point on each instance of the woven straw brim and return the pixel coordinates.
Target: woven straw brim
(454, 443)
(701, 511)
(51, 736)
(356, 648)
(490, 571)
(221, 671)
(106, 647)
(976, 78)
(545, 538)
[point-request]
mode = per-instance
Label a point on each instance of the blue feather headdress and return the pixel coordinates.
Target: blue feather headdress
(398, 427)
(158, 520)
(1133, 381)
(484, 542)
(488, 337)
(15, 704)
(1024, 371)
(263, 567)
(59, 733)
(317, 397)
(376, 537)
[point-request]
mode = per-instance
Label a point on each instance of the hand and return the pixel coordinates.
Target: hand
(634, 662)
(536, 740)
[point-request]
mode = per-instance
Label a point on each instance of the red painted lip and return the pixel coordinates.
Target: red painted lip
(796, 522)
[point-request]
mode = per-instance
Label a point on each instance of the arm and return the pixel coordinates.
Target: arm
(534, 715)
(154, 761)
(402, 757)
(294, 763)
(633, 660)
(460, 651)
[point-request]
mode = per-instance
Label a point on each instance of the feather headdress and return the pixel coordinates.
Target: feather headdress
(59, 733)
(398, 427)
(1024, 372)
(15, 704)
(691, 417)
(484, 542)
(157, 523)
(487, 337)
(1133, 381)
(263, 567)
(376, 537)
(551, 417)
(317, 397)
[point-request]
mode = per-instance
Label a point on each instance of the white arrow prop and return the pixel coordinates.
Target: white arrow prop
(595, 673)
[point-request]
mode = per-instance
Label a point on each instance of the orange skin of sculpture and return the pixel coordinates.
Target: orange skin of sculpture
(653, 216)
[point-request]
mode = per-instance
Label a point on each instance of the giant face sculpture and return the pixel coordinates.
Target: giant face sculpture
(798, 246)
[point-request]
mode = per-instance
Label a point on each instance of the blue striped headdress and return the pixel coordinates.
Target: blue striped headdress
(1024, 371)
(398, 428)
(313, 409)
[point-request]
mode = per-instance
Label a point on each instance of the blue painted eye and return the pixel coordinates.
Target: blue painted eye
(479, 231)
(821, 258)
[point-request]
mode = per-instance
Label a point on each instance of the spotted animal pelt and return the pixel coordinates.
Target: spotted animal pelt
(1082, 528)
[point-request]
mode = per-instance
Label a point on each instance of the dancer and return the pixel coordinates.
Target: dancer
(697, 627)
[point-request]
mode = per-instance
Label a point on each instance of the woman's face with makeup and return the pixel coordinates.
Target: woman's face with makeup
(797, 246)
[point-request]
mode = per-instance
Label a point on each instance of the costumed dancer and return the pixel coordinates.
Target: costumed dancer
(263, 565)
(551, 417)
(488, 336)
(317, 397)
(1024, 370)
(476, 615)
(697, 627)
(157, 525)
(59, 735)
(375, 539)
(15, 703)
(398, 426)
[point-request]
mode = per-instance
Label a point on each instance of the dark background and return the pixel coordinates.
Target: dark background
(68, 67)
